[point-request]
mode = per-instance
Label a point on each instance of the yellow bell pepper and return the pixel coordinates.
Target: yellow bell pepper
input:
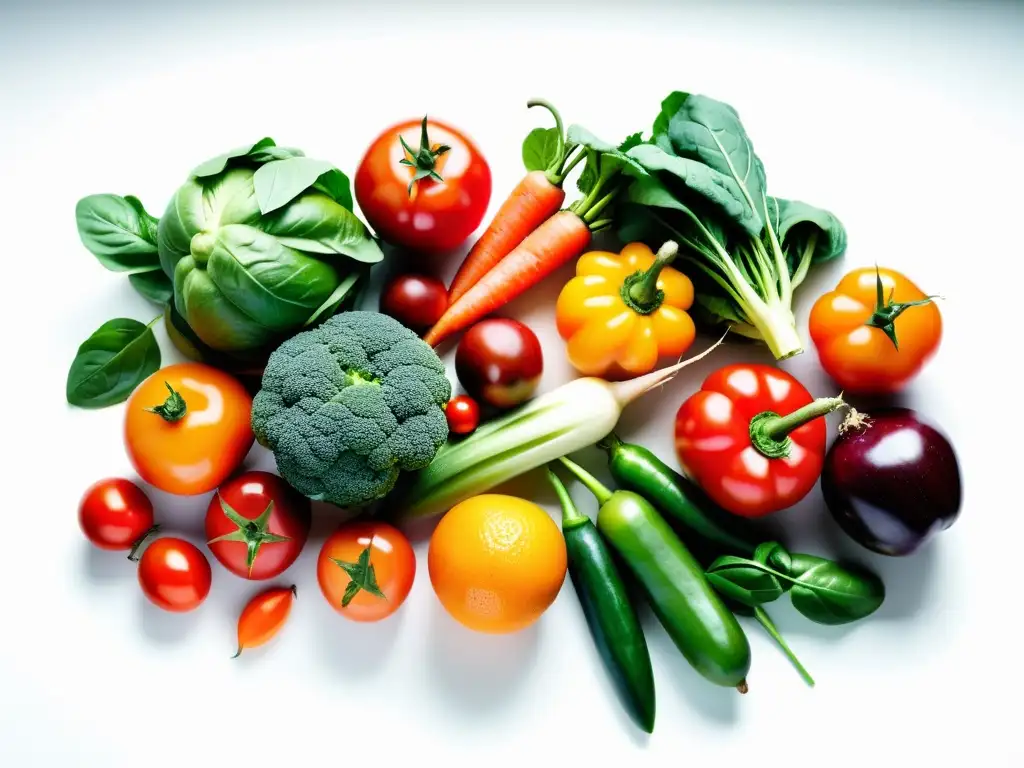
(623, 312)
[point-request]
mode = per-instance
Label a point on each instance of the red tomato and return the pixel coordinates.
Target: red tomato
(366, 570)
(447, 201)
(499, 361)
(263, 617)
(174, 574)
(463, 414)
(257, 524)
(416, 301)
(731, 440)
(115, 514)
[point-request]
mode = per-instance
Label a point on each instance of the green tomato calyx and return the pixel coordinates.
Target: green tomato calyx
(252, 533)
(424, 159)
(173, 408)
(886, 310)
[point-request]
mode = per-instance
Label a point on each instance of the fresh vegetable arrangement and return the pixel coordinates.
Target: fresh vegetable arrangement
(258, 266)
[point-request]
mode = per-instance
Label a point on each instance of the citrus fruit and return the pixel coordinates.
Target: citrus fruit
(496, 562)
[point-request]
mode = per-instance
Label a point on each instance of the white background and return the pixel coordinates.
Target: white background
(906, 122)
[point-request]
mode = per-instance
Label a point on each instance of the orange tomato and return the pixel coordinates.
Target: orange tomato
(622, 312)
(187, 428)
(875, 331)
(263, 617)
(496, 562)
(366, 570)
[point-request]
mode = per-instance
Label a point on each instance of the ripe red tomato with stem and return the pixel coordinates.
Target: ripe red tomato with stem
(257, 524)
(174, 574)
(423, 185)
(116, 514)
(753, 438)
(366, 570)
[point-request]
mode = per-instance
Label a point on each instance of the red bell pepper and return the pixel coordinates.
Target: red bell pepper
(753, 438)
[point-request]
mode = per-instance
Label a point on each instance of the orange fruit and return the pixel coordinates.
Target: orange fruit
(496, 562)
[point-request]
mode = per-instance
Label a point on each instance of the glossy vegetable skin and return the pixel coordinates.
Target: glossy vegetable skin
(462, 414)
(116, 514)
(610, 616)
(257, 525)
(699, 623)
(174, 574)
(876, 331)
(624, 312)
(187, 428)
(894, 482)
(423, 185)
(753, 438)
(416, 301)
(263, 617)
(499, 361)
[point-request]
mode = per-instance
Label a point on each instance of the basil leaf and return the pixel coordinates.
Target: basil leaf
(150, 224)
(829, 593)
(316, 224)
(347, 293)
(336, 186)
(280, 181)
(217, 164)
(118, 232)
(154, 285)
(540, 148)
(111, 363)
(266, 154)
(744, 581)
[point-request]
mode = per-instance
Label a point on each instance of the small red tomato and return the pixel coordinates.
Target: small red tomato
(423, 185)
(463, 414)
(257, 524)
(366, 570)
(174, 574)
(263, 617)
(115, 514)
(499, 361)
(416, 301)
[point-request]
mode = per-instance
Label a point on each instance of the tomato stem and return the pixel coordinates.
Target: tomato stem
(133, 555)
(173, 408)
(886, 311)
(424, 159)
(640, 290)
(769, 432)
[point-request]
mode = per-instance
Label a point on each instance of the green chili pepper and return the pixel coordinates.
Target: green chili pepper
(699, 623)
(611, 617)
(638, 469)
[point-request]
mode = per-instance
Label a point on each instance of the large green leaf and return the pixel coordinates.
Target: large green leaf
(217, 164)
(111, 363)
(118, 232)
(316, 224)
(154, 285)
(540, 148)
(669, 106)
(217, 322)
(710, 131)
(279, 182)
(797, 223)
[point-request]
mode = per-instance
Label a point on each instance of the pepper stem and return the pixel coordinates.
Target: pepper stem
(593, 484)
(173, 408)
(769, 626)
(769, 432)
(640, 290)
(570, 515)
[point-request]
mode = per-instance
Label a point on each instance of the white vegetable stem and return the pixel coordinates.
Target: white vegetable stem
(567, 419)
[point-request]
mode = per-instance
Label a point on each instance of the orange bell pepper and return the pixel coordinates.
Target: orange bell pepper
(623, 312)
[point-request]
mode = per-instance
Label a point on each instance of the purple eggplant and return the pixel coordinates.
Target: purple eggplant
(892, 483)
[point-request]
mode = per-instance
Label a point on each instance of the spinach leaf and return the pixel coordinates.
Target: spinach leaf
(633, 140)
(118, 232)
(721, 190)
(808, 235)
(111, 363)
(154, 285)
(710, 131)
(829, 593)
(216, 165)
(540, 148)
(744, 581)
(279, 182)
(669, 106)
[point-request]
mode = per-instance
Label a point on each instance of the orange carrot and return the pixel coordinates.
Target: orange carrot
(560, 238)
(533, 200)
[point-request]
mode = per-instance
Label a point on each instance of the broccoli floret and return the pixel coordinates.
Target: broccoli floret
(348, 405)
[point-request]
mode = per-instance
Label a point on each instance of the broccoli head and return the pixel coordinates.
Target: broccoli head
(349, 404)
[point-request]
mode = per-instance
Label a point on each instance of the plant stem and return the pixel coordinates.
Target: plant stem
(769, 432)
(554, 169)
(769, 626)
(571, 516)
(133, 554)
(593, 484)
(590, 214)
(643, 289)
(564, 172)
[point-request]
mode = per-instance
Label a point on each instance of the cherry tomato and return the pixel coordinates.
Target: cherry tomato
(463, 415)
(499, 361)
(257, 524)
(263, 617)
(416, 301)
(366, 570)
(174, 574)
(435, 199)
(115, 514)
(875, 331)
(187, 428)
